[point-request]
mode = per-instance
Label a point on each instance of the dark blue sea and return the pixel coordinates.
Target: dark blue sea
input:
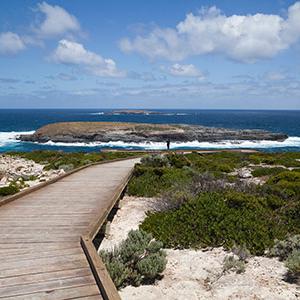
(15, 122)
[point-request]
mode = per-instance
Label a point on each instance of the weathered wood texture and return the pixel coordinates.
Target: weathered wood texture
(45, 236)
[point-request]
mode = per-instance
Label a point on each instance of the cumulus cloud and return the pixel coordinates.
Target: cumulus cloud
(10, 43)
(245, 38)
(56, 22)
(184, 70)
(73, 53)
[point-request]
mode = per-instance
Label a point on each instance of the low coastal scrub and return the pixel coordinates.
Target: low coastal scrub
(218, 219)
(69, 160)
(287, 159)
(9, 190)
(202, 203)
(137, 260)
(232, 263)
(261, 171)
(293, 265)
(288, 250)
(237, 260)
(282, 249)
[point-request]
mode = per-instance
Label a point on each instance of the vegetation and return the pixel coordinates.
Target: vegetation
(237, 260)
(282, 249)
(293, 265)
(218, 219)
(9, 190)
(138, 259)
(202, 203)
(232, 263)
(69, 160)
(288, 250)
(263, 171)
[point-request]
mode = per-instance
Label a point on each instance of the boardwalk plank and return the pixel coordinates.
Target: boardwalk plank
(62, 294)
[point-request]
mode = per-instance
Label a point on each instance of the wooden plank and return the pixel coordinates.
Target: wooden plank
(62, 294)
(35, 269)
(25, 279)
(45, 286)
(40, 261)
(41, 254)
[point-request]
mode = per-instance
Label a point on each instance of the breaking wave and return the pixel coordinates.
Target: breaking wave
(7, 138)
(289, 142)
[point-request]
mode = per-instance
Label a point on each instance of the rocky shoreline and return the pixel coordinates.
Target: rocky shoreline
(87, 132)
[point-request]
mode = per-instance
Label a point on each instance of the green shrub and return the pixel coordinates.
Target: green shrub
(217, 219)
(284, 248)
(288, 182)
(138, 259)
(232, 263)
(9, 190)
(259, 172)
(155, 161)
(178, 160)
(149, 182)
(241, 252)
(293, 265)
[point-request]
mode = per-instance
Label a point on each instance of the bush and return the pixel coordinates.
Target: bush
(259, 172)
(9, 190)
(178, 160)
(288, 182)
(138, 259)
(283, 249)
(149, 182)
(293, 265)
(232, 263)
(241, 252)
(217, 219)
(155, 161)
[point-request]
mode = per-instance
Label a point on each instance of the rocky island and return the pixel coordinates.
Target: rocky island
(86, 132)
(133, 112)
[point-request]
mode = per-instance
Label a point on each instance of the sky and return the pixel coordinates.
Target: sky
(169, 54)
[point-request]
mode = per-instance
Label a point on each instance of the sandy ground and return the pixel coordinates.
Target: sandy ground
(192, 275)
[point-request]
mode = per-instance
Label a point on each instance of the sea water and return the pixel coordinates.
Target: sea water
(15, 122)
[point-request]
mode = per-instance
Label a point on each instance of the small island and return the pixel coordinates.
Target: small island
(87, 132)
(133, 112)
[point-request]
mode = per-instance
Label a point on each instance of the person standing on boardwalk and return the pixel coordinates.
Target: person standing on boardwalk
(168, 144)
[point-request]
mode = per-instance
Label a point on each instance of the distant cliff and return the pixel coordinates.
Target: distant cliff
(71, 132)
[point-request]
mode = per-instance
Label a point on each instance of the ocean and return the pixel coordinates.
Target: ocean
(14, 122)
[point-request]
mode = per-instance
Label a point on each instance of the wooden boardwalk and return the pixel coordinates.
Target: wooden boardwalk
(41, 256)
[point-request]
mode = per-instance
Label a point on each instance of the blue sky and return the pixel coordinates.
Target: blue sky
(226, 54)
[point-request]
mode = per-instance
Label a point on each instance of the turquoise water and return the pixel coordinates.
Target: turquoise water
(15, 122)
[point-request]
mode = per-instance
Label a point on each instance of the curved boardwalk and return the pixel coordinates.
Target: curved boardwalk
(40, 252)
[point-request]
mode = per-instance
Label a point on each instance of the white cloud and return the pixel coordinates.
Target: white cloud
(275, 76)
(10, 43)
(57, 21)
(184, 70)
(72, 53)
(245, 38)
